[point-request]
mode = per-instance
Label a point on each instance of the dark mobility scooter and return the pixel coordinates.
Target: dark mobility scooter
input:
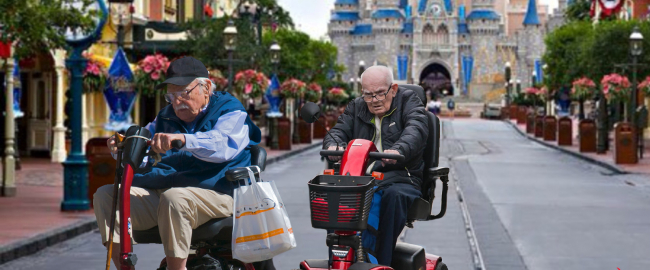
(340, 201)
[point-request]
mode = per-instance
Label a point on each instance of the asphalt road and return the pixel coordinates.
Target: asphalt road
(525, 207)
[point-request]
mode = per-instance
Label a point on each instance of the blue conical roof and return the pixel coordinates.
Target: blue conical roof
(531, 14)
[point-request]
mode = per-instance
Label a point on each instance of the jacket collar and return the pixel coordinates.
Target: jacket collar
(365, 113)
(169, 114)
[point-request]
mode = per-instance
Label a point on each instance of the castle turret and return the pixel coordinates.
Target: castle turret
(530, 45)
(344, 19)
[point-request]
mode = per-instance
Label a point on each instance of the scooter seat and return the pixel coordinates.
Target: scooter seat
(218, 229)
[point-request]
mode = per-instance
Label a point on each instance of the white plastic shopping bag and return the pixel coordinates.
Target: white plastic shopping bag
(261, 228)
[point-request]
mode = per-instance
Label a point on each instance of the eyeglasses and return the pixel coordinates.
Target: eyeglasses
(379, 97)
(185, 94)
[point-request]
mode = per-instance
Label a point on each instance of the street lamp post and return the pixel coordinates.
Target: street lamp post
(275, 59)
(547, 107)
(230, 38)
(518, 82)
(636, 49)
(362, 68)
(119, 10)
(508, 75)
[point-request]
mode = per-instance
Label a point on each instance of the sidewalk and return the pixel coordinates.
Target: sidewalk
(604, 160)
(32, 220)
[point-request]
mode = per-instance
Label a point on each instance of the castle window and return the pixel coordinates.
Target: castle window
(442, 35)
(428, 35)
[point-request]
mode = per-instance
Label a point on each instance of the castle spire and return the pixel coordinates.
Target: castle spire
(531, 14)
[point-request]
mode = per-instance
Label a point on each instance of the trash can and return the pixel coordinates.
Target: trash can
(530, 123)
(514, 112)
(565, 131)
(624, 144)
(101, 166)
(319, 128)
(539, 126)
(522, 114)
(284, 133)
(587, 133)
(305, 131)
(550, 128)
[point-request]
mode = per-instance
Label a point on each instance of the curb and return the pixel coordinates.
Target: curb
(594, 161)
(41, 241)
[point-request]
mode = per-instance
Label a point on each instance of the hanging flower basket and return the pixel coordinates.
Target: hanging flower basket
(292, 88)
(616, 87)
(534, 95)
(250, 83)
(94, 75)
(219, 80)
(149, 73)
(314, 92)
(645, 86)
(583, 88)
(337, 95)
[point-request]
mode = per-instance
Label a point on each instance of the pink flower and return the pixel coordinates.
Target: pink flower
(148, 68)
(248, 89)
(155, 76)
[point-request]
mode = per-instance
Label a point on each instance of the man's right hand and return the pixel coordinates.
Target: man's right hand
(333, 148)
(111, 145)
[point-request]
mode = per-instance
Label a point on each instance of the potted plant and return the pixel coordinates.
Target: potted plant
(250, 84)
(149, 73)
(95, 74)
(313, 92)
(219, 80)
(583, 89)
(292, 88)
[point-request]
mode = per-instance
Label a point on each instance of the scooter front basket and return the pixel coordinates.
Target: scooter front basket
(339, 202)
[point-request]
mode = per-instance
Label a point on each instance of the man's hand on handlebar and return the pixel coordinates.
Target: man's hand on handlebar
(162, 142)
(385, 161)
(333, 148)
(112, 145)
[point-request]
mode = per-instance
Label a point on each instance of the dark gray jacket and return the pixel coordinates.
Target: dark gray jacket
(408, 134)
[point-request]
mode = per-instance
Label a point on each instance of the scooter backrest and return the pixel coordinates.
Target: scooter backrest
(418, 91)
(135, 148)
(258, 156)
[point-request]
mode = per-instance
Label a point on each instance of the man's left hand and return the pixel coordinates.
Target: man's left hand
(385, 161)
(162, 142)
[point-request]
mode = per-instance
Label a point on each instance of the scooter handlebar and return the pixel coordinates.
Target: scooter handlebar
(373, 155)
(380, 155)
(178, 144)
(331, 153)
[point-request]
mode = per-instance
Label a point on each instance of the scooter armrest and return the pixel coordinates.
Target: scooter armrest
(241, 173)
(438, 172)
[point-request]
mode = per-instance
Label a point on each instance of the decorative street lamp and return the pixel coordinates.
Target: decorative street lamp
(518, 82)
(636, 49)
(75, 167)
(275, 60)
(508, 76)
(547, 106)
(230, 38)
(119, 11)
(362, 68)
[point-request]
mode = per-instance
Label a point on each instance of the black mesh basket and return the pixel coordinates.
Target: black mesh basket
(340, 202)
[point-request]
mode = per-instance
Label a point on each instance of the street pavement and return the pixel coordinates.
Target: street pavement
(519, 205)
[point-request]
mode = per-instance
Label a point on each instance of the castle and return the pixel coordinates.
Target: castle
(462, 45)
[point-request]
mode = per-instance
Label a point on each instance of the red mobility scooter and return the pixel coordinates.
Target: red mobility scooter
(340, 201)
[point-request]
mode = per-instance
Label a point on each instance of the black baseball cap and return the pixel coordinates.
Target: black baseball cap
(183, 71)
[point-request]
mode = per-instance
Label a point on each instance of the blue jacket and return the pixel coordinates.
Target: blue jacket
(181, 168)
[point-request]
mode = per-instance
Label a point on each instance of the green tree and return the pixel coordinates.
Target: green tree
(579, 11)
(565, 55)
(37, 25)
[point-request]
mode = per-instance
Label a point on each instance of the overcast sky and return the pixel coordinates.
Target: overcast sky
(312, 16)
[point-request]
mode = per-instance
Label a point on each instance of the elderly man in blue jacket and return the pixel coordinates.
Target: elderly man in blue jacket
(187, 187)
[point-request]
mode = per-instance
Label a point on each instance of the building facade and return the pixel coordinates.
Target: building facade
(460, 46)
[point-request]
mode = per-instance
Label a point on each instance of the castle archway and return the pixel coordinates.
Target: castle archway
(436, 80)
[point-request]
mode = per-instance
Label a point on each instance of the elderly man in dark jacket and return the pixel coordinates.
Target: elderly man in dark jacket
(395, 120)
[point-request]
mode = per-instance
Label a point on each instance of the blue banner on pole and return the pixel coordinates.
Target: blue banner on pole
(273, 96)
(538, 71)
(119, 93)
(402, 67)
(468, 65)
(17, 91)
